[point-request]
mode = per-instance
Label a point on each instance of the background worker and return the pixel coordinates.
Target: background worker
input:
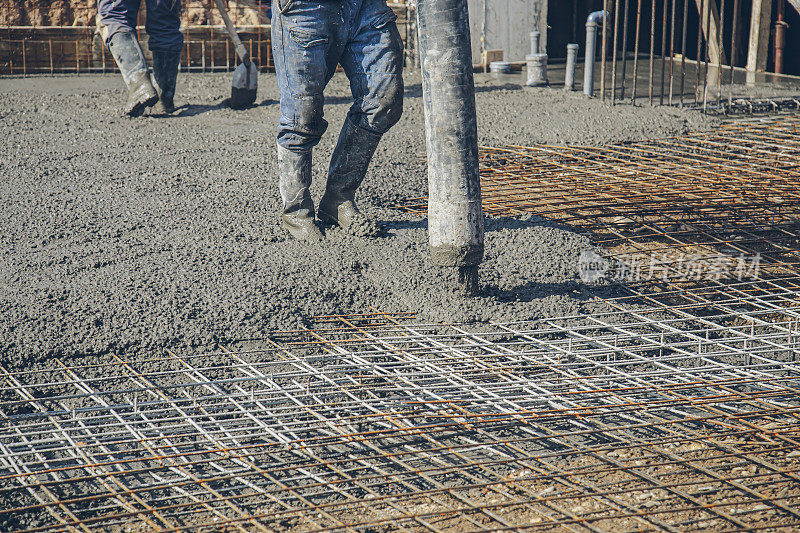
(309, 39)
(117, 22)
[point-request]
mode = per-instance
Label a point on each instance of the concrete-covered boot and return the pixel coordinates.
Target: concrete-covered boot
(298, 207)
(349, 165)
(129, 57)
(165, 72)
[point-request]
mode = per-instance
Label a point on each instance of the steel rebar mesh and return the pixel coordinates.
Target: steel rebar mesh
(727, 193)
(677, 412)
(649, 420)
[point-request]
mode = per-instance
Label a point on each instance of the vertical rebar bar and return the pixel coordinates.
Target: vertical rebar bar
(636, 51)
(624, 50)
(706, 28)
(211, 34)
(734, 29)
(683, 48)
(699, 51)
(721, 33)
(614, 54)
(604, 42)
(664, 21)
(650, 74)
(672, 50)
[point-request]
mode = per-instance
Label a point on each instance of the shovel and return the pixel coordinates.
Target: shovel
(245, 77)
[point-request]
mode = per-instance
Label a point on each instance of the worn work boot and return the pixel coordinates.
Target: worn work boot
(165, 72)
(129, 57)
(349, 165)
(298, 207)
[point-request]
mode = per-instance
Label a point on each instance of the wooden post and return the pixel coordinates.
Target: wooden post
(711, 30)
(758, 48)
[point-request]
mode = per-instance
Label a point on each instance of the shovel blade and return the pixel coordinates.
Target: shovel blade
(245, 86)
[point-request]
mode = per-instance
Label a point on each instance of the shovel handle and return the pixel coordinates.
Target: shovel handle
(241, 51)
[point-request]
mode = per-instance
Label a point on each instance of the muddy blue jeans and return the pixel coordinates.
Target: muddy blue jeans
(309, 39)
(162, 25)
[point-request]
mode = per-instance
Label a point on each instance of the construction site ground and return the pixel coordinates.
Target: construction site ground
(126, 235)
(219, 374)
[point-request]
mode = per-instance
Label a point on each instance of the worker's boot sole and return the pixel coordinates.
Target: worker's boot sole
(137, 109)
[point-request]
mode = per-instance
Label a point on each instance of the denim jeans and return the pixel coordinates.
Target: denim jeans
(309, 39)
(162, 25)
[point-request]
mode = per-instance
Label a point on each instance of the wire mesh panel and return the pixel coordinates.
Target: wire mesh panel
(645, 420)
(724, 195)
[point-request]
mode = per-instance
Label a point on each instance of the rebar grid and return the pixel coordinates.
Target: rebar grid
(728, 193)
(654, 419)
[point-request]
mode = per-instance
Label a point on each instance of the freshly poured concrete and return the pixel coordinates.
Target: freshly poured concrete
(124, 235)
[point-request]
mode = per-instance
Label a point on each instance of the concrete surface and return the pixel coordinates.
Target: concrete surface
(138, 235)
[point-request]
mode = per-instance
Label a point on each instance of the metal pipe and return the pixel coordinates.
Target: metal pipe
(537, 70)
(455, 213)
(780, 37)
(592, 22)
(572, 60)
(536, 39)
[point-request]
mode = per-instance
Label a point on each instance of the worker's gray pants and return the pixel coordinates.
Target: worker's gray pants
(309, 39)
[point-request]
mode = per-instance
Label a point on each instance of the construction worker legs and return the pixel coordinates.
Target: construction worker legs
(165, 72)
(298, 208)
(117, 22)
(129, 57)
(373, 61)
(306, 49)
(163, 26)
(309, 40)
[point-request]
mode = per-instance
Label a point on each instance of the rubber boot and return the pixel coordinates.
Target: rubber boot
(349, 164)
(131, 62)
(298, 207)
(165, 72)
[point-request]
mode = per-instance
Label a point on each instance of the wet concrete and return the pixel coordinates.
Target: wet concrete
(127, 235)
